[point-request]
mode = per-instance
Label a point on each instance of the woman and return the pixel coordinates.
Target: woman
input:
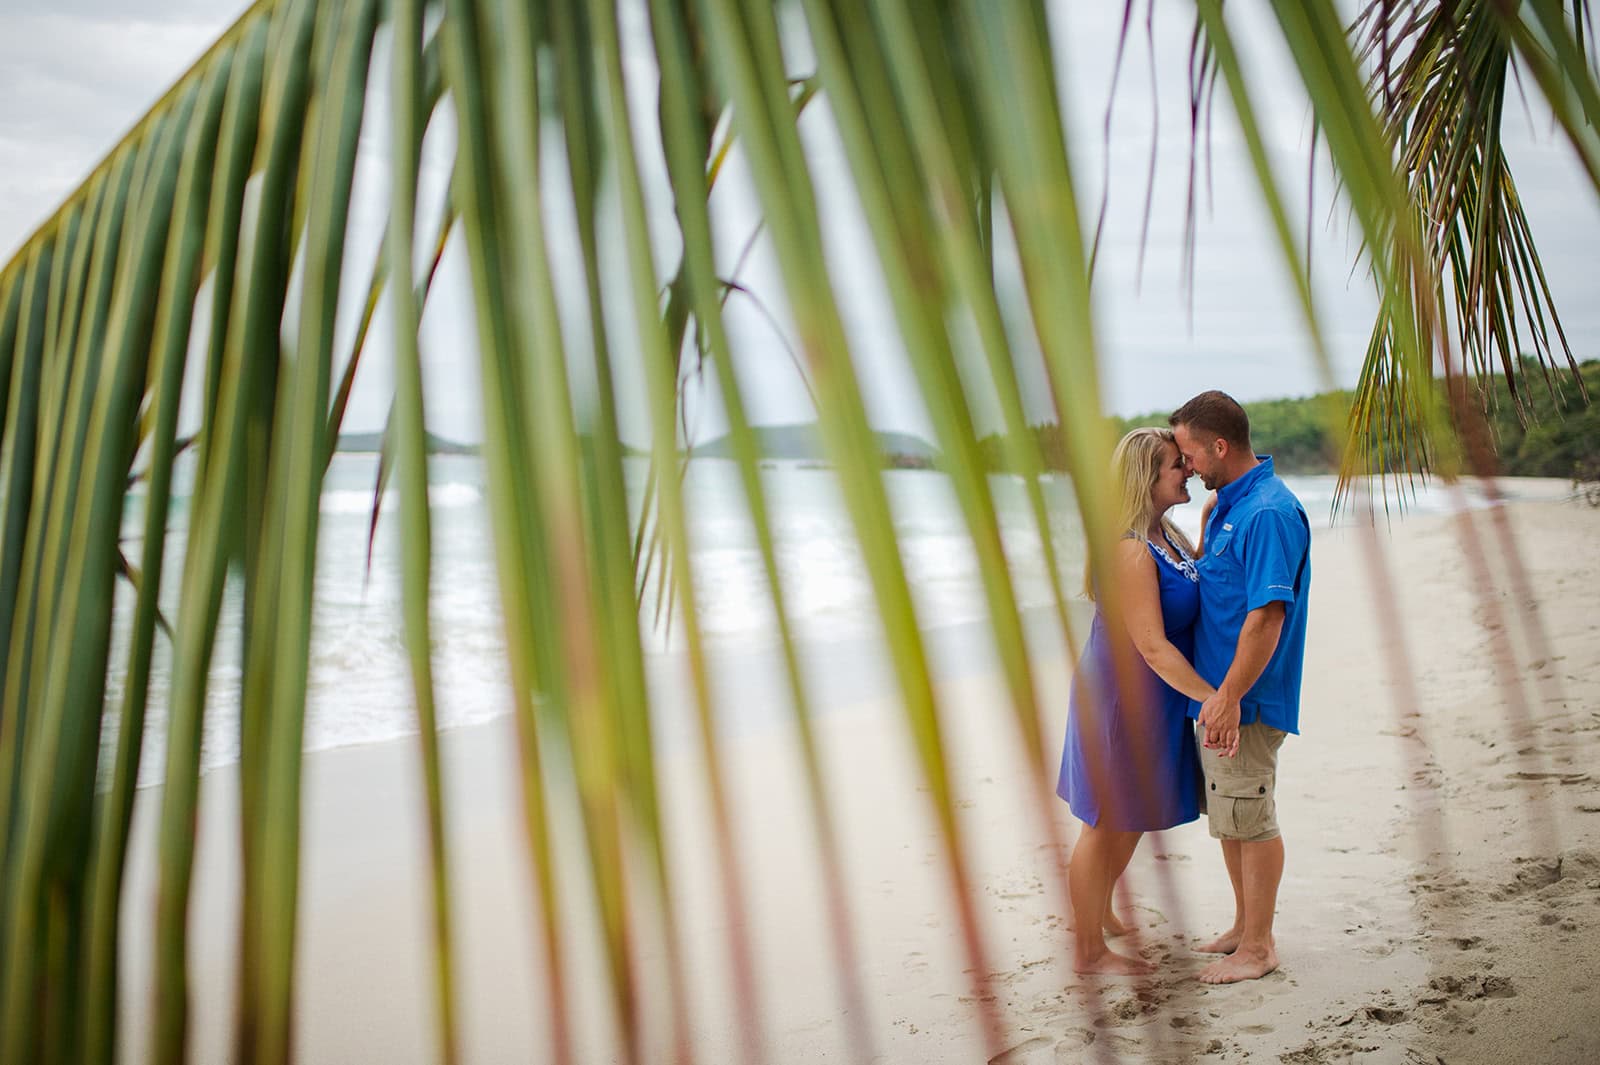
(1130, 765)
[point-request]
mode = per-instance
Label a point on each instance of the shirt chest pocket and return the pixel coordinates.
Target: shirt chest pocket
(1219, 555)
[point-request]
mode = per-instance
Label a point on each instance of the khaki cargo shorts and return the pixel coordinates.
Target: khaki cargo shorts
(1240, 791)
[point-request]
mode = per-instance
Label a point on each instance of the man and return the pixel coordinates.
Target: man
(1255, 571)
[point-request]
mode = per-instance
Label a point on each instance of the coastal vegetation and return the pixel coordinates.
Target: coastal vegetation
(1555, 432)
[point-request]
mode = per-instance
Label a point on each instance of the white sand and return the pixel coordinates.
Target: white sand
(1441, 899)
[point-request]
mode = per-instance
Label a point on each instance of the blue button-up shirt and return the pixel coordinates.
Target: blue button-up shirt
(1257, 551)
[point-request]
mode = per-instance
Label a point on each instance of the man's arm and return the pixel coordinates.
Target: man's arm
(1258, 639)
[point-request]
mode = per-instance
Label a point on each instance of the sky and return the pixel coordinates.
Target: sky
(78, 73)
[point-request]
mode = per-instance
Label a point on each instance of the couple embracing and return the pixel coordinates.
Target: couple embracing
(1181, 703)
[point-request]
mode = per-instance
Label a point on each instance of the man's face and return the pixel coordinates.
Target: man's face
(1202, 453)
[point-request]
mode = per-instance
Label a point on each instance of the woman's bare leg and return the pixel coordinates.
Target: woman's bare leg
(1112, 924)
(1099, 856)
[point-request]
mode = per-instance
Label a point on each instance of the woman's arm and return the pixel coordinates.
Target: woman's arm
(1140, 589)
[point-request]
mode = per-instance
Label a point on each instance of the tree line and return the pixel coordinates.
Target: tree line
(1556, 435)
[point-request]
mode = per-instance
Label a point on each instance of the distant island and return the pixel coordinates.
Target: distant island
(373, 443)
(804, 443)
(801, 443)
(1561, 439)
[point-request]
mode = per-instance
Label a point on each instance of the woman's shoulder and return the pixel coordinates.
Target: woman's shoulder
(1134, 552)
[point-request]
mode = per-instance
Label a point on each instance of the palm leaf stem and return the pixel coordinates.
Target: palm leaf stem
(179, 281)
(864, 108)
(684, 136)
(519, 543)
(213, 531)
(297, 67)
(17, 462)
(545, 406)
(661, 378)
(39, 798)
(610, 516)
(745, 49)
(408, 110)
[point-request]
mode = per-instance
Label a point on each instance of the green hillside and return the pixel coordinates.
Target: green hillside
(1561, 438)
(804, 442)
(373, 442)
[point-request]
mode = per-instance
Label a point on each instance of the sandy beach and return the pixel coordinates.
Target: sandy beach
(1441, 903)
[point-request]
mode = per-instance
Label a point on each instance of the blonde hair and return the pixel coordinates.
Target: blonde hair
(1135, 465)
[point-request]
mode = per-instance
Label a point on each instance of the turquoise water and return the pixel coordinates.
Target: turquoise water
(359, 690)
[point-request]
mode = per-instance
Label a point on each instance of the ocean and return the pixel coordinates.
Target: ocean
(359, 684)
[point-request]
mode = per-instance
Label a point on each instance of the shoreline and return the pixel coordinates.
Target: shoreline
(735, 656)
(1405, 918)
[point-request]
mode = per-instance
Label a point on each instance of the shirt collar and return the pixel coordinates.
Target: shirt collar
(1233, 491)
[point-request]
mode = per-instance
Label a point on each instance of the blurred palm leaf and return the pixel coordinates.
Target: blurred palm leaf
(239, 182)
(1440, 77)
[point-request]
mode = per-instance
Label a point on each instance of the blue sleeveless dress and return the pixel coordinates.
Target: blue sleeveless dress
(1129, 760)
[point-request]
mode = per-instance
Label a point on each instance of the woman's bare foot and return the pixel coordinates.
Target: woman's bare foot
(1113, 925)
(1240, 965)
(1226, 943)
(1110, 963)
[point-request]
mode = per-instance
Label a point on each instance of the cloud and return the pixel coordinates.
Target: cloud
(76, 77)
(77, 74)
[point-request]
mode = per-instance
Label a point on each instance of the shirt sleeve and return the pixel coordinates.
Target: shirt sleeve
(1274, 551)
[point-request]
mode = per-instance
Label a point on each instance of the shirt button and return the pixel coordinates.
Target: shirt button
(1262, 790)
(1213, 787)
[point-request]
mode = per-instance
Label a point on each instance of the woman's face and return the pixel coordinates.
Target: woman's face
(1172, 482)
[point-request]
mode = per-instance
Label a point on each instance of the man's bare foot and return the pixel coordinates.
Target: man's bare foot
(1240, 965)
(1226, 943)
(1111, 963)
(1113, 925)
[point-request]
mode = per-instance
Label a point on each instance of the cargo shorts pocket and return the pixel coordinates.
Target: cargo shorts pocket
(1241, 807)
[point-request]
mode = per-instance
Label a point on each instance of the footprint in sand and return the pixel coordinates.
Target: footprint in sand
(1075, 1039)
(1385, 1014)
(1565, 778)
(1015, 887)
(1035, 1051)
(1138, 1048)
(1576, 864)
(1129, 1009)
(1467, 988)
(1429, 777)
(1315, 1053)
(1381, 950)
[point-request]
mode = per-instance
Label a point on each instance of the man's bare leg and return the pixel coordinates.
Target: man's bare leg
(1256, 954)
(1089, 876)
(1228, 941)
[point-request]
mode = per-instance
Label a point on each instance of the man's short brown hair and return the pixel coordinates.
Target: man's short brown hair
(1217, 414)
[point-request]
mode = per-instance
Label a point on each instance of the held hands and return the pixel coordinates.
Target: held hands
(1219, 715)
